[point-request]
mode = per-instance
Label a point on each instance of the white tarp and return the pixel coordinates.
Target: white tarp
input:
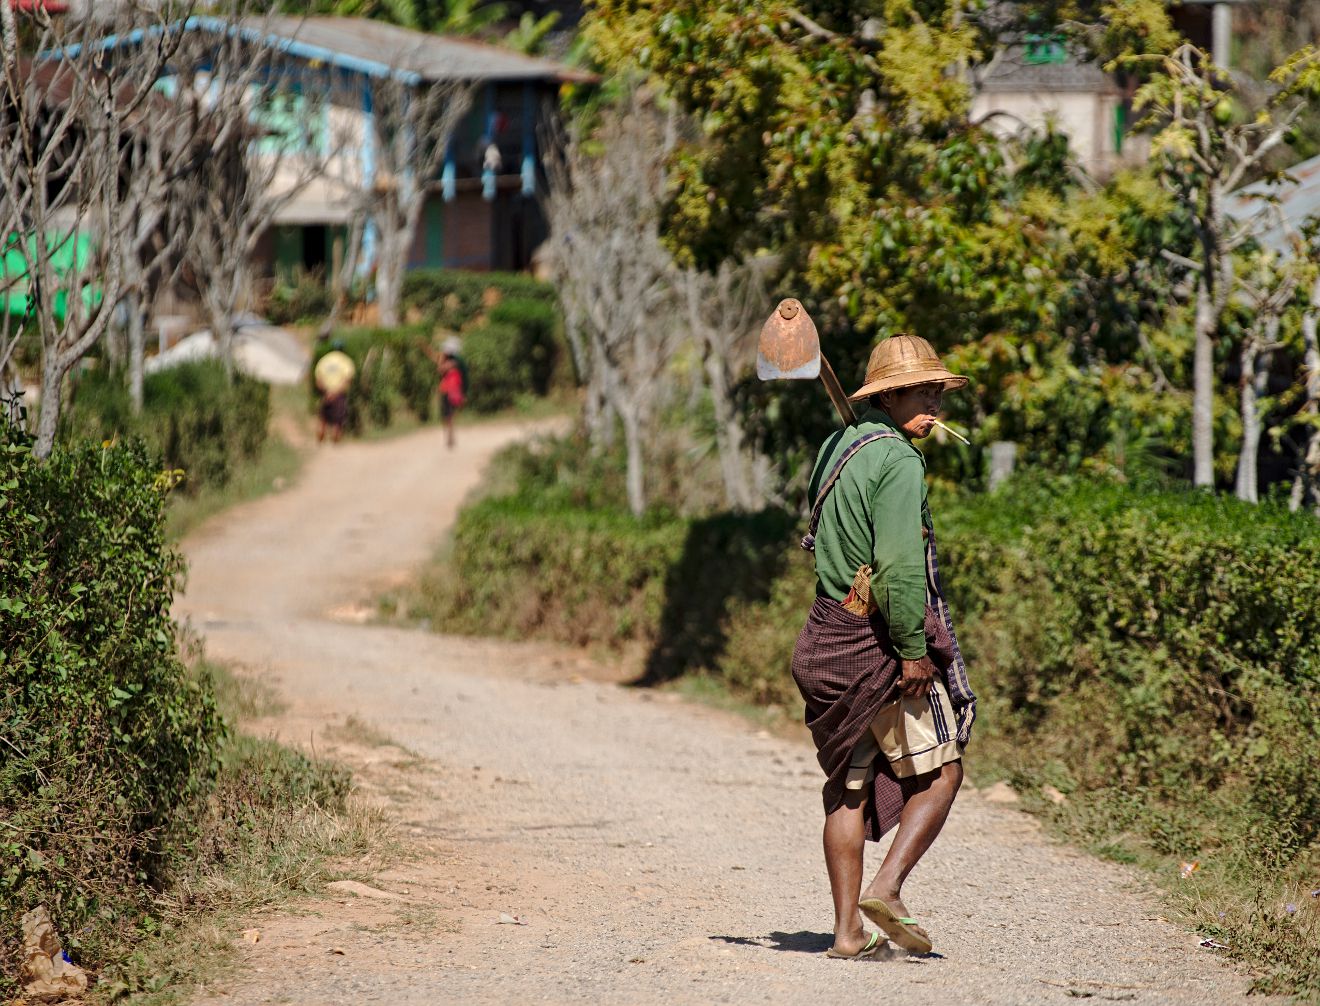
(265, 352)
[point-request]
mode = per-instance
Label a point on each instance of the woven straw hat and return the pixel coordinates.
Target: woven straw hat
(902, 361)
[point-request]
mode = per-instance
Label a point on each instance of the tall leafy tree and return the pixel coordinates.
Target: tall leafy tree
(839, 137)
(1206, 150)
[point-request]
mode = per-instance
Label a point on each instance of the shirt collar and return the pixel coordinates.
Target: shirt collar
(881, 418)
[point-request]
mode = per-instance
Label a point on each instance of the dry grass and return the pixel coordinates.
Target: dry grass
(277, 826)
(359, 732)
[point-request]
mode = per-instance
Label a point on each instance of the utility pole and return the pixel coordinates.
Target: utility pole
(1222, 34)
(1221, 28)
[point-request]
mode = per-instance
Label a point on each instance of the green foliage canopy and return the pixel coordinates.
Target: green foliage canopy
(841, 138)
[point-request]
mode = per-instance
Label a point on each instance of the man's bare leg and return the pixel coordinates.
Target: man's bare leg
(923, 816)
(845, 841)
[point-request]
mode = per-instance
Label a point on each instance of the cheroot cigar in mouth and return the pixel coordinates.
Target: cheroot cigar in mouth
(953, 433)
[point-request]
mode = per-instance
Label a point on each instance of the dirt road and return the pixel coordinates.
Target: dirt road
(655, 850)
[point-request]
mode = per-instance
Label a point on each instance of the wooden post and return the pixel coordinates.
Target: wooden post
(1003, 458)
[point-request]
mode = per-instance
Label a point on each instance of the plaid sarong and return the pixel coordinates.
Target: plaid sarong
(955, 675)
(846, 668)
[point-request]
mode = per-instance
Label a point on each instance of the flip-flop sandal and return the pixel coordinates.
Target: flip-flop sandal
(868, 951)
(897, 929)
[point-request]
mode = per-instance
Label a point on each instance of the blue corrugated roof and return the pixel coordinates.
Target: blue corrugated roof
(373, 49)
(1297, 202)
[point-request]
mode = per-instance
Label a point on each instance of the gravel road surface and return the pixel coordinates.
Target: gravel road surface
(569, 839)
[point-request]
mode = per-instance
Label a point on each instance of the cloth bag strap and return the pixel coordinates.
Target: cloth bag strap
(809, 539)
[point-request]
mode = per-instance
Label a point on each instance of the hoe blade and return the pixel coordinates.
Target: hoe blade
(789, 348)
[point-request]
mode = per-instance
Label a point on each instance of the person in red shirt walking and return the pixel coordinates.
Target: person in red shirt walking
(453, 383)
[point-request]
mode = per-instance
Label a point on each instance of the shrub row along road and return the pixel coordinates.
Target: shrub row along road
(566, 839)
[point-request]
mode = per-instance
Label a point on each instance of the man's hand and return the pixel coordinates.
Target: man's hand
(916, 677)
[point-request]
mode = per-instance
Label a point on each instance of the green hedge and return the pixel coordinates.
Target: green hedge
(1160, 642)
(1166, 644)
(106, 731)
(194, 415)
(513, 341)
(303, 299)
(1155, 658)
(539, 352)
(451, 298)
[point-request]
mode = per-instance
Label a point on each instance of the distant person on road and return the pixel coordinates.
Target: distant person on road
(453, 383)
(888, 701)
(333, 376)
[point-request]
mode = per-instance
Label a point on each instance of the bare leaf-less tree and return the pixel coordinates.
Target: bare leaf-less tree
(74, 116)
(412, 124)
(12, 215)
(1269, 287)
(1306, 483)
(162, 173)
(272, 134)
(345, 260)
(724, 311)
(1206, 156)
(615, 276)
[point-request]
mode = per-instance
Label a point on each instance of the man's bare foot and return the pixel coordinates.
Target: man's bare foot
(849, 943)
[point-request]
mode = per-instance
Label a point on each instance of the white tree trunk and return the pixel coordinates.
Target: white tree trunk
(1306, 484)
(389, 291)
(1255, 383)
(1203, 389)
(388, 284)
(222, 330)
(599, 416)
(730, 439)
(48, 420)
(136, 351)
(632, 439)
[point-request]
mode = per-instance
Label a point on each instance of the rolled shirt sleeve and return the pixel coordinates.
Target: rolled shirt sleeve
(898, 577)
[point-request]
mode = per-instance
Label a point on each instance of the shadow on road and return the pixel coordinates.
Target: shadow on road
(805, 942)
(802, 942)
(726, 559)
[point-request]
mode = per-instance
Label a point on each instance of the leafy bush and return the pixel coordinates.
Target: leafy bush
(506, 360)
(106, 731)
(306, 299)
(513, 342)
(452, 298)
(194, 415)
(1186, 622)
(498, 368)
(539, 347)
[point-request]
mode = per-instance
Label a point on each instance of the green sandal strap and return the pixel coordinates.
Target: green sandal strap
(908, 922)
(875, 938)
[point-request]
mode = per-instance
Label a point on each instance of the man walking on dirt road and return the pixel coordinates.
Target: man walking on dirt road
(888, 701)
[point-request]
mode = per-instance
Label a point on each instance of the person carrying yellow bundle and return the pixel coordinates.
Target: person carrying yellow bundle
(333, 375)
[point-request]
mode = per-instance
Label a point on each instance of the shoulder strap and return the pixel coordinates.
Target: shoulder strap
(809, 539)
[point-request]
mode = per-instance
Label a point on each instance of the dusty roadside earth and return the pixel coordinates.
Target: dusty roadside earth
(654, 850)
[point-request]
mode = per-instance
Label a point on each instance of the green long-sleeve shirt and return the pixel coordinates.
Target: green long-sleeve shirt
(875, 515)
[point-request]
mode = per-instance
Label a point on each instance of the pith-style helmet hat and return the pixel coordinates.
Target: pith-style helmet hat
(902, 361)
